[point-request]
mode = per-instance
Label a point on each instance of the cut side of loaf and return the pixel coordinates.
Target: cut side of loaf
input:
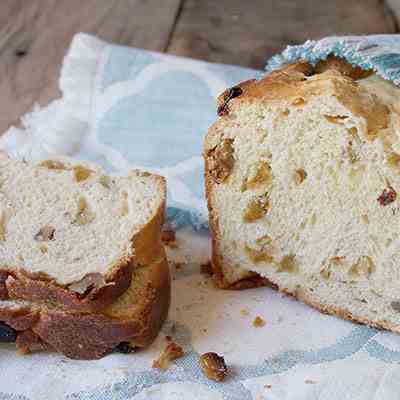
(302, 180)
(69, 233)
(133, 320)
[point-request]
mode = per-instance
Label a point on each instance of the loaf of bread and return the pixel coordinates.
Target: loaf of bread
(302, 175)
(69, 233)
(132, 321)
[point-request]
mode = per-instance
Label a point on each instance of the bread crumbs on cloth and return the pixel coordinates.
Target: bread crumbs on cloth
(171, 352)
(258, 322)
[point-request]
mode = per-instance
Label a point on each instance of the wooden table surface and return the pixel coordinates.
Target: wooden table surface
(34, 34)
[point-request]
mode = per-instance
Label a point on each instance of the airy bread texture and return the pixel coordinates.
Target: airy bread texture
(302, 175)
(69, 233)
(136, 318)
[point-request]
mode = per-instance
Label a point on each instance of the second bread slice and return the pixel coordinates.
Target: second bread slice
(69, 233)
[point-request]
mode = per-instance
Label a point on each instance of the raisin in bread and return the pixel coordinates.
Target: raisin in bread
(133, 320)
(68, 233)
(302, 175)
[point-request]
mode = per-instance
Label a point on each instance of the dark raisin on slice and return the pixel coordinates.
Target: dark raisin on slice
(388, 196)
(7, 334)
(125, 348)
(233, 92)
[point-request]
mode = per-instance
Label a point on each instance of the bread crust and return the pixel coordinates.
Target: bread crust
(339, 312)
(41, 288)
(91, 336)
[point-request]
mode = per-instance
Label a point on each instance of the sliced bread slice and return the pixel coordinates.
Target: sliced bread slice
(302, 175)
(69, 233)
(133, 320)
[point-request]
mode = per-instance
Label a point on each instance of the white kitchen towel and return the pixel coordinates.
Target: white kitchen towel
(126, 108)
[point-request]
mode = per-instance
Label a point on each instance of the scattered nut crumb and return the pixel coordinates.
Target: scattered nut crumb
(171, 352)
(168, 237)
(244, 312)
(45, 234)
(268, 386)
(213, 366)
(258, 322)
(43, 248)
(310, 381)
(206, 269)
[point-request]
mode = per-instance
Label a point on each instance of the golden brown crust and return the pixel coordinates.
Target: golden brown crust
(28, 342)
(339, 312)
(40, 291)
(41, 288)
(340, 65)
(91, 336)
(3, 289)
(20, 319)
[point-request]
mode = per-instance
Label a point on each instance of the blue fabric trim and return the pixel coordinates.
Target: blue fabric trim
(380, 53)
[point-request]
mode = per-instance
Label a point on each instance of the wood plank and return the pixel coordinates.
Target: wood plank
(243, 32)
(393, 8)
(35, 34)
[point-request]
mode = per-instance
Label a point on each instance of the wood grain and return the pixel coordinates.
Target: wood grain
(34, 36)
(393, 8)
(246, 32)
